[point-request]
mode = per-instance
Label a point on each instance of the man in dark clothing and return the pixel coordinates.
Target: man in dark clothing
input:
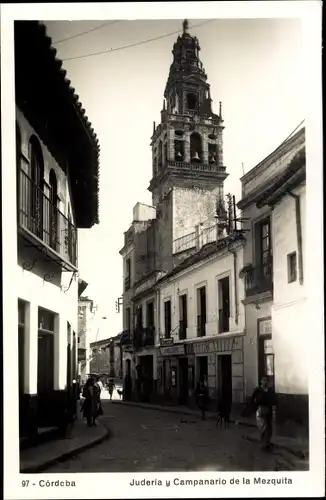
(202, 398)
(264, 401)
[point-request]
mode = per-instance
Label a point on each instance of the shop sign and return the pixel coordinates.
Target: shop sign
(189, 348)
(166, 342)
(202, 347)
(177, 349)
(217, 345)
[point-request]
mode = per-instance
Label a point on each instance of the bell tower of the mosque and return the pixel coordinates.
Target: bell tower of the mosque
(187, 146)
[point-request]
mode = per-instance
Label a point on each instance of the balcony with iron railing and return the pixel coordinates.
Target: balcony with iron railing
(223, 321)
(126, 339)
(143, 337)
(259, 279)
(201, 325)
(44, 224)
(182, 329)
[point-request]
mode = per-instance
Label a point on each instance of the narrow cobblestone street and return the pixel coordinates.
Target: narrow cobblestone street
(150, 441)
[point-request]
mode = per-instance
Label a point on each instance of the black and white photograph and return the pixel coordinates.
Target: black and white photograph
(162, 250)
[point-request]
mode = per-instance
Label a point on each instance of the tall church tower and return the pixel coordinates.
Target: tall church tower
(187, 147)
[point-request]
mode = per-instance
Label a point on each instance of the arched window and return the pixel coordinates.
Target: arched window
(35, 187)
(53, 209)
(212, 153)
(195, 147)
(178, 150)
(192, 101)
(18, 167)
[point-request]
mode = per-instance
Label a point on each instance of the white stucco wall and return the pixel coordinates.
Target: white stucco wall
(39, 293)
(289, 321)
(207, 273)
(46, 293)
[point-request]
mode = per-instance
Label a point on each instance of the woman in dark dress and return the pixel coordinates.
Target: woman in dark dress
(264, 401)
(91, 402)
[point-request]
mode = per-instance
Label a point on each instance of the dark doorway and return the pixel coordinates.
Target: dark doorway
(202, 368)
(128, 368)
(225, 377)
(167, 318)
(201, 308)
(45, 375)
(53, 212)
(183, 317)
(183, 381)
(224, 305)
(146, 376)
(150, 314)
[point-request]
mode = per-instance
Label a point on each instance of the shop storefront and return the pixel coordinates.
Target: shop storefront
(170, 377)
(220, 363)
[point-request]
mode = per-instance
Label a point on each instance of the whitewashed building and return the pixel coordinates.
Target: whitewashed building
(287, 199)
(273, 272)
(201, 324)
(57, 193)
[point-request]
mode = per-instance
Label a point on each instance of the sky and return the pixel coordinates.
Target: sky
(254, 67)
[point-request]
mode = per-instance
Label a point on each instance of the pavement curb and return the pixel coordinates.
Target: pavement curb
(65, 456)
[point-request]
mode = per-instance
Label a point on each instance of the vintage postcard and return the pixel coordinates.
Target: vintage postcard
(162, 250)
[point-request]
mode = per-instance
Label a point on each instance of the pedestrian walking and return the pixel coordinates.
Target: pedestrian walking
(91, 402)
(264, 400)
(202, 398)
(111, 387)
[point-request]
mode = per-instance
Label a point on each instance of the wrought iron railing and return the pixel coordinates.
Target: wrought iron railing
(126, 338)
(196, 167)
(201, 325)
(223, 321)
(143, 337)
(182, 329)
(259, 279)
(44, 220)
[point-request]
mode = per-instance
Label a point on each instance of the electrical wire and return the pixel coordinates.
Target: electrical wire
(288, 137)
(85, 32)
(135, 44)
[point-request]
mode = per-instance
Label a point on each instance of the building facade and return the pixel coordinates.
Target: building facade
(86, 313)
(287, 199)
(57, 169)
(106, 357)
(272, 228)
(187, 191)
(202, 325)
